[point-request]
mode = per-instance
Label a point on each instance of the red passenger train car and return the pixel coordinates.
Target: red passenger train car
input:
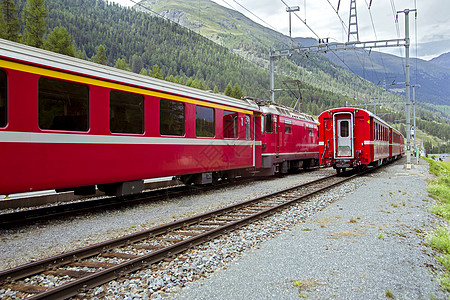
(289, 140)
(353, 137)
(69, 124)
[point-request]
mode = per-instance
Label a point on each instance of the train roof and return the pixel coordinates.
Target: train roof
(267, 106)
(19, 52)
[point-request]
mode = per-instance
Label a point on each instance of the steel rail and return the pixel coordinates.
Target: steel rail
(90, 205)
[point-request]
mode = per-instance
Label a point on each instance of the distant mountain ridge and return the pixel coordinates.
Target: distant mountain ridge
(442, 60)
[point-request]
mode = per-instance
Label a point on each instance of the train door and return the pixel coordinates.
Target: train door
(343, 136)
(277, 134)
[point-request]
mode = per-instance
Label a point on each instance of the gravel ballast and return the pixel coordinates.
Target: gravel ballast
(357, 241)
(22, 245)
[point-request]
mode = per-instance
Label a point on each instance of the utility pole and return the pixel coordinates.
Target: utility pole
(290, 10)
(272, 76)
(414, 118)
(408, 90)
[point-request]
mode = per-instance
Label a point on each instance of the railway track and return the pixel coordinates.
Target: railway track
(41, 214)
(109, 260)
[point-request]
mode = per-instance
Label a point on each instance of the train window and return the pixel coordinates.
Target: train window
(248, 134)
(288, 127)
(63, 105)
(171, 118)
(344, 128)
(269, 123)
(230, 124)
(204, 121)
(3, 115)
(126, 112)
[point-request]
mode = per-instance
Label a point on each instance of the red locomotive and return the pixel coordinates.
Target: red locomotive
(69, 124)
(289, 140)
(353, 137)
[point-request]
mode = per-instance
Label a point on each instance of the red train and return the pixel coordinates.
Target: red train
(353, 137)
(289, 140)
(69, 124)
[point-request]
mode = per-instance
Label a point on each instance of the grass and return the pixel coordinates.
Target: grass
(305, 285)
(389, 294)
(440, 238)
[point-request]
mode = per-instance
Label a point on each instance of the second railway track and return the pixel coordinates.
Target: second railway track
(109, 260)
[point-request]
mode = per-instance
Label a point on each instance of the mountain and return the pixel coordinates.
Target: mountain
(388, 71)
(253, 41)
(442, 60)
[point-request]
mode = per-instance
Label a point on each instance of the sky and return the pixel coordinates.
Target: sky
(429, 32)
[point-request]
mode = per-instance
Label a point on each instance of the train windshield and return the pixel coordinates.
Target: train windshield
(269, 123)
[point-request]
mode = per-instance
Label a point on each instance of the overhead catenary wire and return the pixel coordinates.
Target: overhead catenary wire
(263, 21)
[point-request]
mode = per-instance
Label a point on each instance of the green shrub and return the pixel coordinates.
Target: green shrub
(440, 239)
(444, 260)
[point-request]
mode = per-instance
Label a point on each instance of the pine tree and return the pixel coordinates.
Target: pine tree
(9, 23)
(156, 73)
(216, 90)
(122, 64)
(228, 90)
(144, 72)
(35, 15)
(2, 26)
(100, 56)
(236, 92)
(136, 63)
(59, 41)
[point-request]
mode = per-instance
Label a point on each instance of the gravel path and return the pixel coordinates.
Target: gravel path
(367, 245)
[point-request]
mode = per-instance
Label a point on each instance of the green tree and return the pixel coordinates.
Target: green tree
(216, 90)
(59, 41)
(9, 23)
(156, 72)
(100, 56)
(35, 15)
(136, 63)
(144, 72)
(228, 90)
(2, 28)
(122, 64)
(236, 92)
